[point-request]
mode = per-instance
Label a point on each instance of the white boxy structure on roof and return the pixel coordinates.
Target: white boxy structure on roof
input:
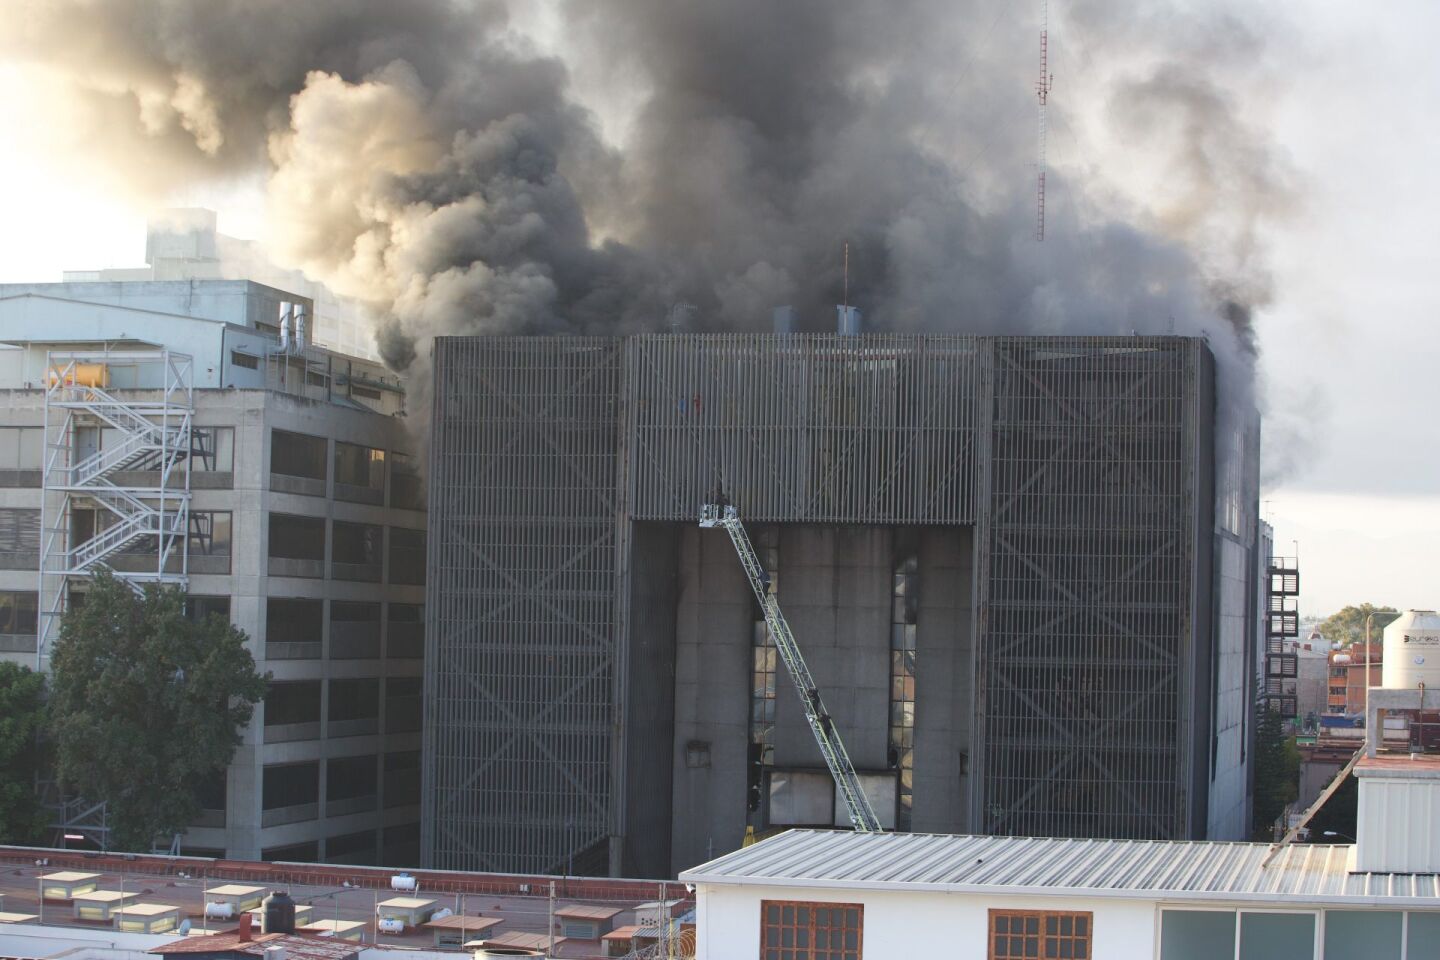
(851, 896)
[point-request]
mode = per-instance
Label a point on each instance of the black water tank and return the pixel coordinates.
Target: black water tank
(277, 913)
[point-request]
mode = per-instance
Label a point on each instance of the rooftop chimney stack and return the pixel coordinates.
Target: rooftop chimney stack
(299, 326)
(783, 319)
(285, 310)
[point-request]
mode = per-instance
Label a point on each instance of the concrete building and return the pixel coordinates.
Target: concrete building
(1023, 570)
(185, 244)
(292, 505)
(1312, 673)
(1345, 694)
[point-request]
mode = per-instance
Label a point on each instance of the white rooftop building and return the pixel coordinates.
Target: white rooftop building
(827, 895)
(850, 896)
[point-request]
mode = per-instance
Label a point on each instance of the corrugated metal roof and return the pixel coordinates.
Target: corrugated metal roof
(1149, 869)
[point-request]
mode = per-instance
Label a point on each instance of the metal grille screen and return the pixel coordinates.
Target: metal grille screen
(520, 652)
(876, 429)
(1085, 594)
(1076, 459)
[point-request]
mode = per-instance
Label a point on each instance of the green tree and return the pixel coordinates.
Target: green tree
(146, 705)
(1348, 625)
(1277, 772)
(22, 712)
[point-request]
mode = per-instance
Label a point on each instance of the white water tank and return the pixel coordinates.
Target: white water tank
(1412, 651)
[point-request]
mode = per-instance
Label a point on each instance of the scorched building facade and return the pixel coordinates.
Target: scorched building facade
(1022, 569)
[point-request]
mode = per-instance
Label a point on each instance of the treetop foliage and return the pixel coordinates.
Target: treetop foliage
(1347, 626)
(22, 712)
(148, 705)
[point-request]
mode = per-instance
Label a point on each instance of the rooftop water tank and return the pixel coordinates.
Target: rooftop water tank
(1412, 651)
(277, 913)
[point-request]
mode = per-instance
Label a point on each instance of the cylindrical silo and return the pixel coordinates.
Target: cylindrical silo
(1412, 651)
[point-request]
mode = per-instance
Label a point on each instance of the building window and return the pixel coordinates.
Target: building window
(405, 632)
(354, 700)
(356, 552)
(354, 630)
(209, 542)
(307, 852)
(19, 539)
(297, 463)
(199, 608)
(297, 546)
(350, 778)
(212, 450)
(407, 486)
(1023, 934)
(293, 628)
(797, 930)
(904, 613)
(290, 785)
(407, 556)
(352, 845)
(402, 705)
(762, 673)
(402, 778)
(18, 611)
(21, 451)
(359, 473)
(244, 360)
(210, 792)
(292, 701)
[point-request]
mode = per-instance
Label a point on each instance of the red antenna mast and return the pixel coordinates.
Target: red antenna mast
(1042, 91)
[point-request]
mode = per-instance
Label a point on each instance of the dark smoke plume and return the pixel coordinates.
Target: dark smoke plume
(424, 158)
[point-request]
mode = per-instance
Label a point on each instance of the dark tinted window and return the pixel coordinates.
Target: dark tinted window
(291, 784)
(297, 455)
(292, 701)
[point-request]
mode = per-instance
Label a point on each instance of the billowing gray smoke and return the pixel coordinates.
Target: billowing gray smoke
(424, 158)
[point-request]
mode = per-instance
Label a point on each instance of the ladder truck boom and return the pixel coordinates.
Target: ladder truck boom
(857, 805)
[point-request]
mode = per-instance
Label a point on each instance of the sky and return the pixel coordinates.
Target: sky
(1349, 348)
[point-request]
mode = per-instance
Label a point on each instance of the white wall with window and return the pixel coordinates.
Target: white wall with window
(832, 895)
(734, 925)
(783, 923)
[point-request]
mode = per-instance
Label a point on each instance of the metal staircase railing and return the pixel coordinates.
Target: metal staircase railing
(152, 433)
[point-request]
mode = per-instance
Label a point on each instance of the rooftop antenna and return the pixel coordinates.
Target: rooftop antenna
(1042, 91)
(846, 296)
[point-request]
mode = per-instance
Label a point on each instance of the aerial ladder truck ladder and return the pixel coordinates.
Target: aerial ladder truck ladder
(857, 805)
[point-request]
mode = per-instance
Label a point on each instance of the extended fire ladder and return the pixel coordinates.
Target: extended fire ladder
(862, 815)
(132, 486)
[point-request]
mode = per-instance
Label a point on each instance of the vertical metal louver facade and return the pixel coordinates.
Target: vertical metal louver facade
(520, 663)
(1090, 550)
(1084, 466)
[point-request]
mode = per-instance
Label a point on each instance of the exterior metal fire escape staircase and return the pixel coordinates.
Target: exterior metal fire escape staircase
(857, 804)
(136, 483)
(136, 486)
